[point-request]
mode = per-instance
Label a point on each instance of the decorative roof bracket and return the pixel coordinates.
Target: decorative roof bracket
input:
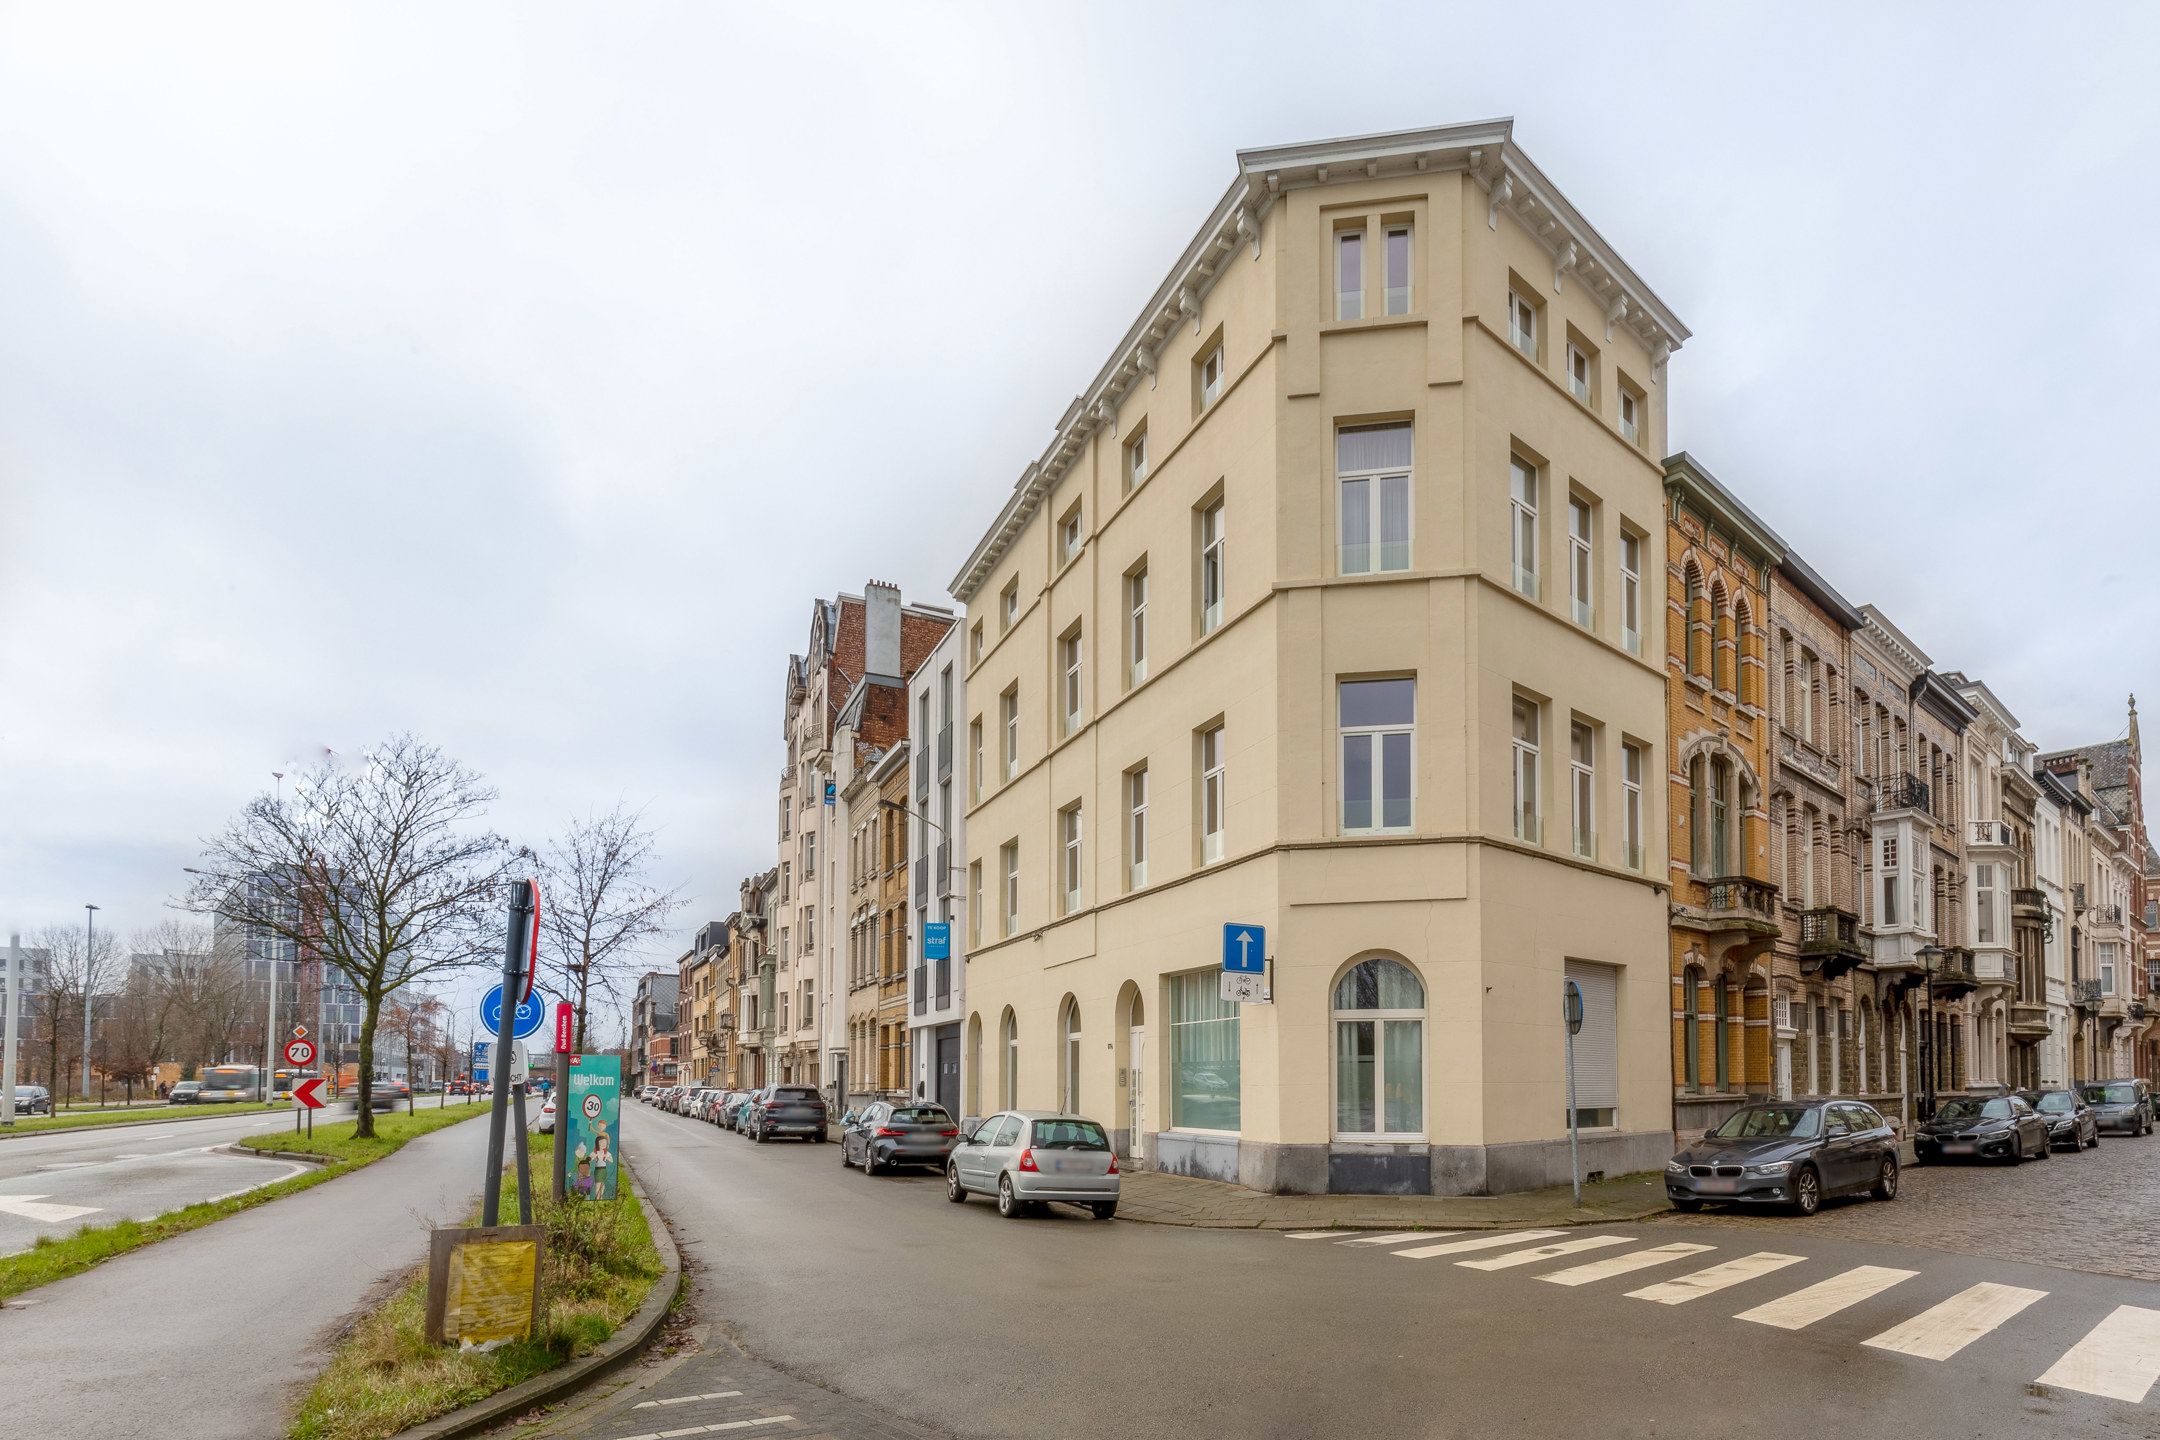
(1565, 263)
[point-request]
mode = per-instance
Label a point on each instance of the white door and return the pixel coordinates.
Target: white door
(1136, 1091)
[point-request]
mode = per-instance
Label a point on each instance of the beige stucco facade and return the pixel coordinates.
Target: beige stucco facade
(1209, 786)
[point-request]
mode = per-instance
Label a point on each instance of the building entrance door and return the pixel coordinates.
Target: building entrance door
(948, 1069)
(1136, 1089)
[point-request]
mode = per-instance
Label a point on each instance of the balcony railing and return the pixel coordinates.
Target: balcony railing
(1827, 930)
(1988, 832)
(2098, 915)
(2085, 994)
(2034, 902)
(1901, 792)
(1742, 898)
(2077, 897)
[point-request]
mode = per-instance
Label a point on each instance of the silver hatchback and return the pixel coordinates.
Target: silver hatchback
(1032, 1157)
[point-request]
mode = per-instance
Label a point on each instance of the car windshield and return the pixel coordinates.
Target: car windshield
(1962, 1110)
(1070, 1135)
(2110, 1094)
(2056, 1102)
(1771, 1122)
(922, 1115)
(789, 1092)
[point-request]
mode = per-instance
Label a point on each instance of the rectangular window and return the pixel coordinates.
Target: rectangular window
(1984, 904)
(1372, 463)
(1631, 801)
(1579, 578)
(1630, 415)
(1631, 592)
(1211, 795)
(2107, 969)
(975, 904)
(975, 758)
(1523, 532)
(1398, 270)
(1069, 666)
(1527, 812)
(1350, 275)
(1136, 460)
(1522, 323)
(975, 641)
(1211, 373)
(1578, 374)
(1136, 626)
(1009, 709)
(1376, 720)
(1204, 1053)
(1009, 861)
(1009, 604)
(1211, 567)
(1069, 534)
(1582, 775)
(1069, 839)
(1136, 836)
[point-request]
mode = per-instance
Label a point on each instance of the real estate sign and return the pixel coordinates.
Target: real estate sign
(591, 1108)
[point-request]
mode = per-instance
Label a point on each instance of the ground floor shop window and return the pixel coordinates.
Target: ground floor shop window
(1204, 1053)
(1379, 1017)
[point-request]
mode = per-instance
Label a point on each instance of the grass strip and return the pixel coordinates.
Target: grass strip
(57, 1257)
(384, 1377)
(91, 1119)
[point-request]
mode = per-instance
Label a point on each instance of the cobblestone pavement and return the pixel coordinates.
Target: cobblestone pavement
(2096, 1210)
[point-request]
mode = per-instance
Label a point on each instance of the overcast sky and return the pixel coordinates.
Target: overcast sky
(516, 375)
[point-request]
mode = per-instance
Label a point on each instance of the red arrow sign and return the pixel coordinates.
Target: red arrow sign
(304, 1094)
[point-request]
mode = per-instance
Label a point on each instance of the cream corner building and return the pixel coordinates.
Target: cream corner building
(1336, 606)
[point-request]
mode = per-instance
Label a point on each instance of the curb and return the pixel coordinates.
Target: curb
(622, 1347)
(247, 1152)
(115, 1125)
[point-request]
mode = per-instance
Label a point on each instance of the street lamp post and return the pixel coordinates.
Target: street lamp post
(89, 974)
(1929, 954)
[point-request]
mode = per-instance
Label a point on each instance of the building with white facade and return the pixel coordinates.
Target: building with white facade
(937, 984)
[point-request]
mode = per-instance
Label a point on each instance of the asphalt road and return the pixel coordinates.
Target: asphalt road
(952, 1319)
(52, 1183)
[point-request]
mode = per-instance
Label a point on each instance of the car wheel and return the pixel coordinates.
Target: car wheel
(757, 1134)
(954, 1190)
(869, 1162)
(1105, 1211)
(1008, 1203)
(1886, 1179)
(844, 1160)
(1687, 1207)
(1807, 1191)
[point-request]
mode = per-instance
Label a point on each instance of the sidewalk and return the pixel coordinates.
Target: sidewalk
(1157, 1199)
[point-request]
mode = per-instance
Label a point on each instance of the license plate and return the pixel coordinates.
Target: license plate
(1710, 1185)
(1959, 1147)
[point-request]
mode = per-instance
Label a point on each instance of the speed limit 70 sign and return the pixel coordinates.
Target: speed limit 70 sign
(299, 1052)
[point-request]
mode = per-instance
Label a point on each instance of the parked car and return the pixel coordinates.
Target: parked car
(1796, 1153)
(1032, 1157)
(2070, 1120)
(702, 1101)
(183, 1092)
(785, 1110)
(546, 1123)
(733, 1106)
(2124, 1105)
(1996, 1127)
(883, 1134)
(33, 1100)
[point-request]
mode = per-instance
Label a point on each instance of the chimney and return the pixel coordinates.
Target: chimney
(881, 630)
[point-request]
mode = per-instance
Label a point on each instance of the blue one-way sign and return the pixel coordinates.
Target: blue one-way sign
(1244, 949)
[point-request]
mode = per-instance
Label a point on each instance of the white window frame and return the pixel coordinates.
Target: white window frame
(1376, 763)
(975, 758)
(1349, 249)
(1073, 874)
(1633, 761)
(975, 905)
(1213, 795)
(1582, 791)
(1378, 1019)
(1578, 373)
(1631, 638)
(1071, 654)
(1136, 599)
(1522, 323)
(1582, 572)
(1523, 484)
(1069, 1048)
(1211, 377)
(1136, 833)
(1375, 483)
(1984, 926)
(1009, 702)
(1528, 801)
(1071, 533)
(1214, 567)
(975, 642)
(1630, 416)
(1398, 299)
(1136, 461)
(1011, 855)
(1009, 604)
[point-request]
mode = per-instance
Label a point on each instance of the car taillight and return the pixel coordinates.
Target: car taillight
(1027, 1162)
(948, 1134)
(886, 1132)
(1113, 1164)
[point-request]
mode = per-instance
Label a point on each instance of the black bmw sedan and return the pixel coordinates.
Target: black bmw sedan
(1792, 1152)
(2000, 1127)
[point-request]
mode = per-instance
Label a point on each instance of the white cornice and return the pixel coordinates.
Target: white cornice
(1894, 640)
(1233, 229)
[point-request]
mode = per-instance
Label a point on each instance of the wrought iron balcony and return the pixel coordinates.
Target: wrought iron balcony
(2029, 904)
(1901, 792)
(1831, 938)
(2085, 994)
(1740, 902)
(2098, 916)
(1994, 833)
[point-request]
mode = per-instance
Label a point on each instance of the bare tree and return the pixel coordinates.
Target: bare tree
(598, 905)
(80, 968)
(379, 867)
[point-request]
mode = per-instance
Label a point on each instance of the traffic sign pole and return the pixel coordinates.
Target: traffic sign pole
(514, 959)
(565, 1042)
(1571, 1011)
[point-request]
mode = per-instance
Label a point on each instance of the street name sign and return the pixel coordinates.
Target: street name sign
(1244, 949)
(525, 1020)
(565, 1025)
(299, 1052)
(304, 1094)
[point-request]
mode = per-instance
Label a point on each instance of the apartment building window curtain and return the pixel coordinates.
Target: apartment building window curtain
(1204, 1054)
(1372, 463)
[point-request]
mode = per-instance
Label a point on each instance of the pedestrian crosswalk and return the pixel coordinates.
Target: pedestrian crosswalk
(2118, 1359)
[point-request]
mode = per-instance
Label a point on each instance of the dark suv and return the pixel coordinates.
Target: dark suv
(785, 1110)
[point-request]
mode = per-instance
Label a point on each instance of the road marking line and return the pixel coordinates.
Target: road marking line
(1398, 1238)
(1624, 1264)
(686, 1399)
(1804, 1307)
(710, 1429)
(1317, 1234)
(1718, 1277)
(2120, 1358)
(1544, 1252)
(1482, 1242)
(28, 1208)
(1939, 1333)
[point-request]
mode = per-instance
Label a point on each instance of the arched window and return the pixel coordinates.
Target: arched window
(1691, 1029)
(1722, 640)
(1379, 1052)
(1069, 1055)
(1008, 1063)
(1720, 816)
(1743, 649)
(1696, 625)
